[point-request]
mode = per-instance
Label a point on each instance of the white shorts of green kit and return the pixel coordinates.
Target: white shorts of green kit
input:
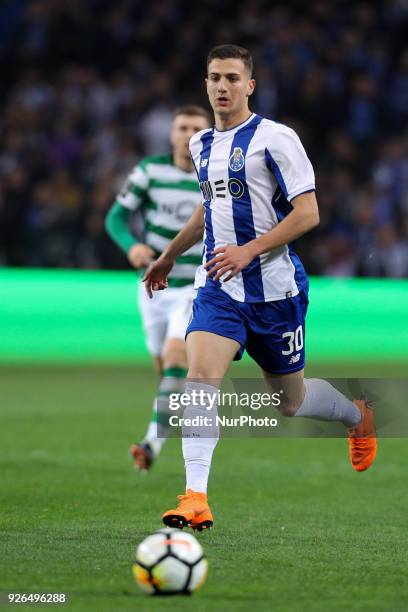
(166, 315)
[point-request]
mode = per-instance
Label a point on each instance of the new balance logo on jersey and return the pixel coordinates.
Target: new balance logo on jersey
(294, 358)
(235, 188)
(204, 163)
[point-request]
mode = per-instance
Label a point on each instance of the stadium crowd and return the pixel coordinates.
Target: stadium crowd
(88, 87)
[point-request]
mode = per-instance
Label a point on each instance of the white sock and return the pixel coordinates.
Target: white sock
(323, 401)
(199, 442)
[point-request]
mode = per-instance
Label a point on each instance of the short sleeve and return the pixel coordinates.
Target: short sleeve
(287, 160)
(196, 146)
(134, 189)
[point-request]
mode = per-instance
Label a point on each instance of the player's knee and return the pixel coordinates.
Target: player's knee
(200, 373)
(289, 407)
(174, 358)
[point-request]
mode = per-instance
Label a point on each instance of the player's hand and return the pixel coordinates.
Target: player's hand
(155, 278)
(229, 258)
(140, 255)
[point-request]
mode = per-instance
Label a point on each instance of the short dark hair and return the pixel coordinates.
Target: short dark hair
(232, 51)
(193, 110)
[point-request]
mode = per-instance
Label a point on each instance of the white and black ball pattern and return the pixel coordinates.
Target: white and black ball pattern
(170, 562)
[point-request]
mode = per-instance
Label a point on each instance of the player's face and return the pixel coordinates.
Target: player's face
(184, 127)
(228, 86)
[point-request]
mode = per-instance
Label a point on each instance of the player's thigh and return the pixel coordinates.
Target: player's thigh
(209, 355)
(290, 388)
(179, 305)
(154, 320)
(216, 335)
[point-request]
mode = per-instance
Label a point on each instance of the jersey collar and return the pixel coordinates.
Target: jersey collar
(236, 127)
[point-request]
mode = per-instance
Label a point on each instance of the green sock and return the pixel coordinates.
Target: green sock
(172, 381)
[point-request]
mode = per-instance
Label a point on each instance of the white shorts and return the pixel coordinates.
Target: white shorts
(166, 315)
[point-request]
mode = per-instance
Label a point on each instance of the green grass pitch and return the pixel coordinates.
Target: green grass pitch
(296, 529)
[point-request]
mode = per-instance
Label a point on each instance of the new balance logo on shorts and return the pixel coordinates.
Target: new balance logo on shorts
(294, 358)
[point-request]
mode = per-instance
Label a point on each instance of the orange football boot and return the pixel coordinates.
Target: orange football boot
(193, 511)
(363, 438)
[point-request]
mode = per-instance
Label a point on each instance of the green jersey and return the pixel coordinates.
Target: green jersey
(167, 197)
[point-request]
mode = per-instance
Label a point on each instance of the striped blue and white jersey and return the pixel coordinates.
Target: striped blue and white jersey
(248, 176)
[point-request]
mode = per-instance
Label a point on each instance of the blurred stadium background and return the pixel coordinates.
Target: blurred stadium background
(88, 88)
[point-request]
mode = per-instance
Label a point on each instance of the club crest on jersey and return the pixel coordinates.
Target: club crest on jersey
(237, 160)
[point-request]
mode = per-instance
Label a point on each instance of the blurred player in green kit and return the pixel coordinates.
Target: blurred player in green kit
(165, 190)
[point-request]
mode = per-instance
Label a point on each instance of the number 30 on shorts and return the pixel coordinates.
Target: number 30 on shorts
(294, 340)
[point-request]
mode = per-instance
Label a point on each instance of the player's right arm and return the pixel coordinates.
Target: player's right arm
(156, 275)
(117, 225)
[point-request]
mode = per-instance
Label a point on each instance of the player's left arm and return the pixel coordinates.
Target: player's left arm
(303, 218)
(233, 259)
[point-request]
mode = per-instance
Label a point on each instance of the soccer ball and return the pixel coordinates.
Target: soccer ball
(169, 562)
